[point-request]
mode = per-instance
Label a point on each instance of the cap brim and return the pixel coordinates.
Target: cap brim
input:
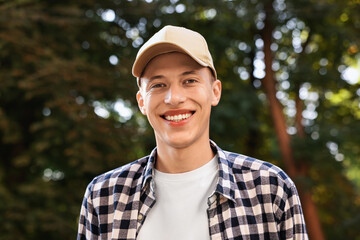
(157, 49)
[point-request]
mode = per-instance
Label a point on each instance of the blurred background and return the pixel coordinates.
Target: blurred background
(291, 96)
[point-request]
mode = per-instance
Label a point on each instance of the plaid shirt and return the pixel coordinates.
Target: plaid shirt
(253, 200)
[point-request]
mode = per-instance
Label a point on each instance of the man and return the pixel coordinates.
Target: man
(187, 188)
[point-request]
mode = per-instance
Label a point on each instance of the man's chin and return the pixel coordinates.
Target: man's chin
(176, 142)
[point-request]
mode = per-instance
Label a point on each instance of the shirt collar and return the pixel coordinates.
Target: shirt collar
(148, 171)
(226, 182)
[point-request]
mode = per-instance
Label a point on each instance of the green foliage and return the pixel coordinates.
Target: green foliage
(64, 65)
(54, 68)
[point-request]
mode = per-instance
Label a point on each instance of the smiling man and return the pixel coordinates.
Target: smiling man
(187, 188)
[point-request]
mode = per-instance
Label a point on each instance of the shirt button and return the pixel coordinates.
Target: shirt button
(140, 217)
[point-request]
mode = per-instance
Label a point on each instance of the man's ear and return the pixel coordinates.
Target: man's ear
(140, 101)
(216, 90)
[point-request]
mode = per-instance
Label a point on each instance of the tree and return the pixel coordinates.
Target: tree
(55, 74)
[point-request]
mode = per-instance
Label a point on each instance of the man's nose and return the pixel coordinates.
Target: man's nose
(175, 95)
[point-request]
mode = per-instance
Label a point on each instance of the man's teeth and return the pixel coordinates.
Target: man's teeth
(178, 118)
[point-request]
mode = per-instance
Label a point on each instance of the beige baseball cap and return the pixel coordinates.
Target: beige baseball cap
(173, 39)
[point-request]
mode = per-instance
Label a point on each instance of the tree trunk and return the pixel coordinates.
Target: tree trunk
(269, 84)
(309, 207)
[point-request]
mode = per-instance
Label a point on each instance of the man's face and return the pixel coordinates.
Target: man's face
(176, 95)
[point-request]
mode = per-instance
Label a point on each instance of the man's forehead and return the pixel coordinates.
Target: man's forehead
(175, 60)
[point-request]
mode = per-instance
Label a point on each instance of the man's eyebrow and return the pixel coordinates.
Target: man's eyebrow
(156, 77)
(162, 76)
(188, 73)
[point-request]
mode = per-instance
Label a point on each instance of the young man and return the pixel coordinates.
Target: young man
(187, 188)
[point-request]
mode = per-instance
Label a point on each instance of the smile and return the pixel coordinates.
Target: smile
(177, 117)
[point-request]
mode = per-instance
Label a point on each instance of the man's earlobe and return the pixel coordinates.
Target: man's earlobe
(216, 87)
(140, 101)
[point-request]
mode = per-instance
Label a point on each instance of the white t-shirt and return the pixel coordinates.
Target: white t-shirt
(180, 211)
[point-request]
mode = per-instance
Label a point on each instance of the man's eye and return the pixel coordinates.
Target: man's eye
(158, 85)
(190, 81)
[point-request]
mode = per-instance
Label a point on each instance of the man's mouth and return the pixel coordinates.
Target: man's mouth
(177, 117)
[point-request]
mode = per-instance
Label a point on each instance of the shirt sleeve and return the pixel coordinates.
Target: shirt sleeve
(291, 222)
(88, 228)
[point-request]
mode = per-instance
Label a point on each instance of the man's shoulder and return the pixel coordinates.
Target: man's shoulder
(248, 166)
(127, 175)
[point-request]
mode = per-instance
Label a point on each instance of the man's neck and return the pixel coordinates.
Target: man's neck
(179, 160)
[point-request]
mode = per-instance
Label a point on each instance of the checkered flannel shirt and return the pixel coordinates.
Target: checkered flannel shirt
(252, 200)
